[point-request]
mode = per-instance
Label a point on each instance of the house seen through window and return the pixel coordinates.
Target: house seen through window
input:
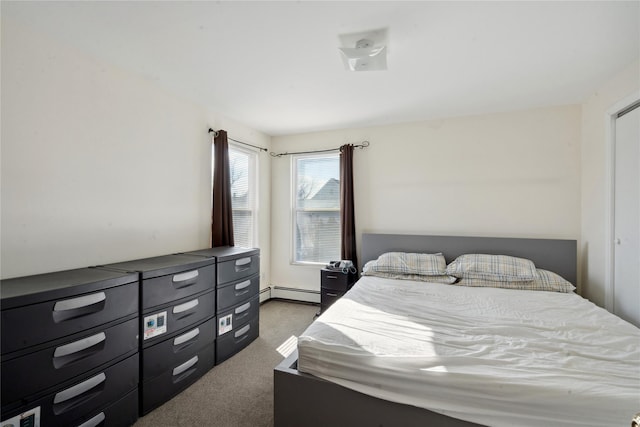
(316, 206)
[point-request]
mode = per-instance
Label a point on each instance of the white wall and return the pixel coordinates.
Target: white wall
(100, 165)
(510, 174)
(594, 177)
(85, 149)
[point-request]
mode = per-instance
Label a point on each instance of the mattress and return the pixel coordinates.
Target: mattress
(497, 357)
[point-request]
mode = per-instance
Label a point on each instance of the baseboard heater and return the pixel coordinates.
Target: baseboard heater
(295, 294)
(265, 294)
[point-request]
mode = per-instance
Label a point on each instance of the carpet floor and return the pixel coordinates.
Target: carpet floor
(239, 391)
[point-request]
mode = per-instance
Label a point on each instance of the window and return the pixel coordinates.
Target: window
(316, 208)
(244, 195)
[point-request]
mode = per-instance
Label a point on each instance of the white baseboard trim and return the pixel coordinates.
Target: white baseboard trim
(295, 294)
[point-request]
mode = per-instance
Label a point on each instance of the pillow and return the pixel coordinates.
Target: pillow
(492, 267)
(408, 263)
(545, 281)
(553, 282)
(416, 277)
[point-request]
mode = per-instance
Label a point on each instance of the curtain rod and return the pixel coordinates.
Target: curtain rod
(215, 133)
(361, 146)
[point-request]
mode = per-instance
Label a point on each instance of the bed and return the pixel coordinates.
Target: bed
(352, 387)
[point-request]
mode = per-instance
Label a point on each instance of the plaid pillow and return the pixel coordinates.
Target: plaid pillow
(545, 281)
(553, 282)
(492, 267)
(408, 263)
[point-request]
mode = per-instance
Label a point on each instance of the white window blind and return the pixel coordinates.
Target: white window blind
(316, 205)
(243, 175)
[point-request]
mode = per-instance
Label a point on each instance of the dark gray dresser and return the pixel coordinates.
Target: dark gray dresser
(333, 285)
(177, 323)
(98, 346)
(70, 349)
(238, 299)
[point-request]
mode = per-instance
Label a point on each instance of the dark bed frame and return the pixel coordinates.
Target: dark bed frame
(304, 400)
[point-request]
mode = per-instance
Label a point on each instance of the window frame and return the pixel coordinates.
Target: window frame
(294, 208)
(253, 186)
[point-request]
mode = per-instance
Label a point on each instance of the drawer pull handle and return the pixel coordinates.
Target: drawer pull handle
(243, 307)
(329, 294)
(77, 307)
(186, 306)
(186, 365)
(186, 337)
(75, 303)
(93, 422)
(243, 261)
(331, 277)
(243, 264)
(77, 346)
(185, 279)
(243, 285)
(79, 389)
(242, 331)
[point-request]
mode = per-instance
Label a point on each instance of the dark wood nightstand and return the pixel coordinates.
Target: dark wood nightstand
(333, 285)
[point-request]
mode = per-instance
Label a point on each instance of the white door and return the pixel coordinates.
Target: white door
(626, 292)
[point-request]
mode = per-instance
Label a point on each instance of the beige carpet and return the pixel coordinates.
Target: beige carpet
(238, 392)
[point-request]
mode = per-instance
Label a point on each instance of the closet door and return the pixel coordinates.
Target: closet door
(626, 298)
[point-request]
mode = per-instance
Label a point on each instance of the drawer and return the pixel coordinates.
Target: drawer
(158, 266)
(29, 325)
(124, 412)
(240, 314)
(232, 342)
(239, 268)
(86, 396)
(28, 290)
(34, 372)
(173, 351)
(162, 322)
(328, 297)
(336, 280)
(164, 289)
(158, 390)
(237, 292)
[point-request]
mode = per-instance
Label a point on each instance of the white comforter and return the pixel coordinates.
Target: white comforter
(498, 357)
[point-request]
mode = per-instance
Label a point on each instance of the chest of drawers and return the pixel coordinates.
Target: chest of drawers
(237, 295)
(70, 348)
(177, 323)
(333, 285)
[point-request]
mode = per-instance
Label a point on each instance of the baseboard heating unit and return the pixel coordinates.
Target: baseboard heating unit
(295, 294)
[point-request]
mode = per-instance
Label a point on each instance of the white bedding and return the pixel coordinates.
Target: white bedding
(497, 357)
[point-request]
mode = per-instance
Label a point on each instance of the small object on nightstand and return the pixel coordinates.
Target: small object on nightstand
(333, 285)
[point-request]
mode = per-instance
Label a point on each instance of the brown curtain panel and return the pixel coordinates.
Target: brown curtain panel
(222, 224)
(347, 214)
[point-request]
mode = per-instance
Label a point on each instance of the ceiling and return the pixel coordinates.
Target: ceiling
(275, 66)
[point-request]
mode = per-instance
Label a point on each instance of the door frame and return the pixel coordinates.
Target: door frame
(610, 132)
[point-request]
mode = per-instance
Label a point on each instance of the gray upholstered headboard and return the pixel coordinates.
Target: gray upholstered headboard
(559, 256)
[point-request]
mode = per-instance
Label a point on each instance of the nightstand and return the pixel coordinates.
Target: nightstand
(333, 285)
